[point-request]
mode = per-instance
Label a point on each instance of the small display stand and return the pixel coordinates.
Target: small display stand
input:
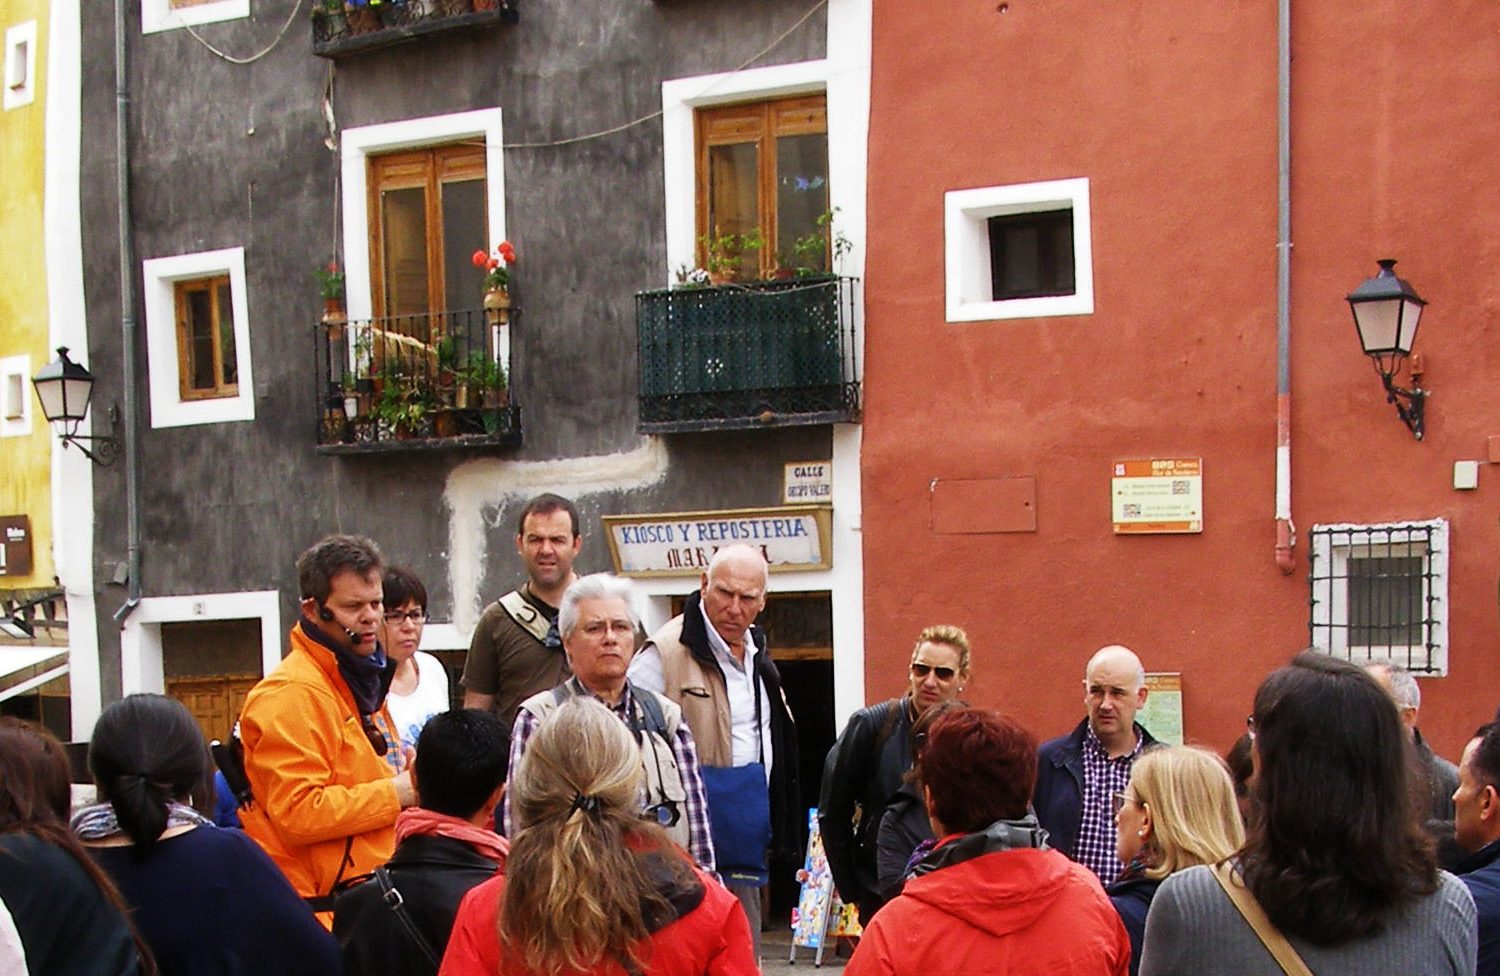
(819, 914)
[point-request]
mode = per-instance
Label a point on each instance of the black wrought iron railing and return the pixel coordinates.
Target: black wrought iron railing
(341, 27)
(764, 354)
(414, 382)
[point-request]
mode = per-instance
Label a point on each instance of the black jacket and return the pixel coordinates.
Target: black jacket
(862, 774)
(1059, 785)
(433, 874)
(788, 819)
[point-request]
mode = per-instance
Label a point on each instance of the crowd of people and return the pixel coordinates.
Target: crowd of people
(608, 801)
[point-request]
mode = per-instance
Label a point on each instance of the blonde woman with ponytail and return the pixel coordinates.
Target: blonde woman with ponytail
(590, 887)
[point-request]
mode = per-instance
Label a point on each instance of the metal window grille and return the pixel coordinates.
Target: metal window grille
(1378, 591)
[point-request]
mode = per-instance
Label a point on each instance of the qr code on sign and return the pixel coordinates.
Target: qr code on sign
(1132, 510)
(1180, 487)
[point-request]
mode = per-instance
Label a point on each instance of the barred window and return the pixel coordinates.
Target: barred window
(1381, 591)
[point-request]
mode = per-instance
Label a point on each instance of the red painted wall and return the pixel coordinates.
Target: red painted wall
(1170, 110)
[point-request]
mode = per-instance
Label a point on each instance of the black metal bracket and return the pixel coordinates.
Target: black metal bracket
(1412, 409)
(106, 447)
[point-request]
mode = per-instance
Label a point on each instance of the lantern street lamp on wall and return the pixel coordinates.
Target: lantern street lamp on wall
(64, 388)
(1386, 312)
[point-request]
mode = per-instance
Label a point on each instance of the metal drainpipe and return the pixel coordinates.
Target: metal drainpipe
(1286, 532)
(127, 322)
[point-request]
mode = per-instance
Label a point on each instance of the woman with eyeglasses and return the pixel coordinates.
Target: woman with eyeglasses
(1336, 868)
(208, 901)
(991, 897)
(1178, 810)
(864, 769)
(590, 887)
(419, 688)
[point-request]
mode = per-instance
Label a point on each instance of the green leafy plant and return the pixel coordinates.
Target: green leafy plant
(330, 280)
(809, 250)
(486, 377)
(726, 252)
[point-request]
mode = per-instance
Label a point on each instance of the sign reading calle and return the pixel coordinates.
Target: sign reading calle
(792, 537)
(807, 481)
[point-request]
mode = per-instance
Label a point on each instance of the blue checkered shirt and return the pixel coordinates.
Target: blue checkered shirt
(1102, 777)
(700, 836)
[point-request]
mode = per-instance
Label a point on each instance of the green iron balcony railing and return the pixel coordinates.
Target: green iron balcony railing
(414, 382)
(764, 354)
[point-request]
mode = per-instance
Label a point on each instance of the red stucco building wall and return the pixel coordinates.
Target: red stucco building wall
(1170, 111)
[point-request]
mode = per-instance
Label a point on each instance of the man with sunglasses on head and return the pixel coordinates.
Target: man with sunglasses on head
(325, 796)
(1077, 774)
(865, 766)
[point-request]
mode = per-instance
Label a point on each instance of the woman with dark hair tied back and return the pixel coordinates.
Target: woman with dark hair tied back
(66, 913)
(590, 888)
(1336, 868)
(208, 901)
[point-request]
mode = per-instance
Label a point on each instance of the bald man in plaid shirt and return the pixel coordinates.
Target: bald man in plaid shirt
(1078, 774)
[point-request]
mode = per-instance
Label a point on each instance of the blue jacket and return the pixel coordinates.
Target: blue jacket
(1481, 873)
(1058, 797)
(1132, 899)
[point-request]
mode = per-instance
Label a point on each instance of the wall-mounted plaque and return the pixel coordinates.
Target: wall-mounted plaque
(792, 537)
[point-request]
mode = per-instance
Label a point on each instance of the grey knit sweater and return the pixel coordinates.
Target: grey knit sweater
(1193, 929)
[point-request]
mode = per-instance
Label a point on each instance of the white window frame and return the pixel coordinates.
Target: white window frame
(158, 15)
(966, 245)
(13, 368)
(1330, 617)
(141, 666)
(20, 64)
(168, 408)
(360, 143)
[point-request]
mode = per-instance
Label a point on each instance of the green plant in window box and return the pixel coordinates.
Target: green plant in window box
(810, 250)
(726, 253)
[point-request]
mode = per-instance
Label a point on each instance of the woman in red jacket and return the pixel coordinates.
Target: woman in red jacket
(589, 887)
(991, 897)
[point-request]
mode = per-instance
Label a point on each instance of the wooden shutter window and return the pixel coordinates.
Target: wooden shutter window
(207, 364)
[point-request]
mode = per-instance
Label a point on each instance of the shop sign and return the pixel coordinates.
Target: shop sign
(792, 538)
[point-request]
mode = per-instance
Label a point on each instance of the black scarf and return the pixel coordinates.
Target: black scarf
(368, 677)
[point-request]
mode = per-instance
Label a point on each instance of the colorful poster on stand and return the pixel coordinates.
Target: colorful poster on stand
(817, 904)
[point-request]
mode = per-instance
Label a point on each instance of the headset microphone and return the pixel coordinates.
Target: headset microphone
(325, 615)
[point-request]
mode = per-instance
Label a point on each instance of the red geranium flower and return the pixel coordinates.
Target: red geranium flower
(480, 259)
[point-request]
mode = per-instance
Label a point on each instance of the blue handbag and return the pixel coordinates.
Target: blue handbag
(739, 810)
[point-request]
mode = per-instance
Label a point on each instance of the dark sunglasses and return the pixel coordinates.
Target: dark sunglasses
(920, 670)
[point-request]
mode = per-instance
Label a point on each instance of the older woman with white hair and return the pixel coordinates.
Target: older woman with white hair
(597, 621)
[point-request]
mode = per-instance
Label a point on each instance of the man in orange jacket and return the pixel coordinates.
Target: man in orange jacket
(327, 780)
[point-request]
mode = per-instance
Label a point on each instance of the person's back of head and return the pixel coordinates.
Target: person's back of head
(977, 767)
(1194, 816)
(146, 753)
(34, 776)
(461, 759)
(577, 891)
(1335, 846)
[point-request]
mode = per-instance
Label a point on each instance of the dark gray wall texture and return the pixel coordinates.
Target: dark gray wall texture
(226, 155)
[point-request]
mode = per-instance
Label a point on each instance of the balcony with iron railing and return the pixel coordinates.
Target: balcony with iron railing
(437, 381)
(343, 27)
(763, 354)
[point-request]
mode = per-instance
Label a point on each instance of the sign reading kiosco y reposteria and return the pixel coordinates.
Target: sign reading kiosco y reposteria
(792, 537)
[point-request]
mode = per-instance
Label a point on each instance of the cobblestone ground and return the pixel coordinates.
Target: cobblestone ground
(775, 946)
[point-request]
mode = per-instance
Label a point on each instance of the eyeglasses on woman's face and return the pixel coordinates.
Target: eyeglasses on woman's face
(1117, 801)
(395, 618)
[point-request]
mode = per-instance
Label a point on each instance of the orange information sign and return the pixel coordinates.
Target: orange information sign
(1157, 495)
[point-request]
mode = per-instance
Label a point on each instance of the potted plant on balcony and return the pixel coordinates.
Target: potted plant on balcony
(328, 19)
(496, 267)
(403, 406)
(811, 249)
(331, 288)
(726, 253)
(363, 15)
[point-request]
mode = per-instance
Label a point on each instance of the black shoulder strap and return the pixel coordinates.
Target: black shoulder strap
(397, 904)
(892, 707)
(656, 720)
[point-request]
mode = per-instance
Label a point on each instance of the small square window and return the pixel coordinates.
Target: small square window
(1381, 592)
(198, 338)
(1031, 255)
(20, 65)
(15, 392)
(163, 15)
(1019, 251)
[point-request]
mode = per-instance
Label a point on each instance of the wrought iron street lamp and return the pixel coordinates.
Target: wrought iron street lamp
(64, 388)
(1386, 312)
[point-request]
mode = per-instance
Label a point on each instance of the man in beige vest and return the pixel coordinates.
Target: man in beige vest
(713, 662)
(598, 624)
(515, 651)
